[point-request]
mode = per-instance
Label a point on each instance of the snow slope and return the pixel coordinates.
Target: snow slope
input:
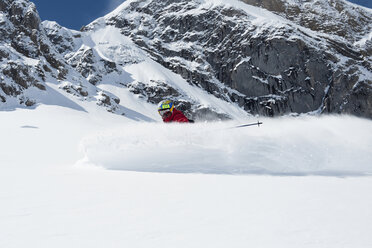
(134, 65)
(73, 175)
(49, 198)
(301, 146)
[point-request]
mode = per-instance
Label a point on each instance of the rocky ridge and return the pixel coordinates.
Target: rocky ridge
(30, 58)
(269, 63)
(269, 67)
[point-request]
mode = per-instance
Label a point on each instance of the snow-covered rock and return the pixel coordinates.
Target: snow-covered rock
(268, 58)
(289, 67)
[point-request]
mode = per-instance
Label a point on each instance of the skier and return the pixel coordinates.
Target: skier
(169, 113)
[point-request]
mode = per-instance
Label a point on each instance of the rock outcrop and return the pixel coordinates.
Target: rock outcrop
(270, 57)
(268, 67)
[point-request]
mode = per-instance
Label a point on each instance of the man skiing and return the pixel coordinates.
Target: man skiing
(169, 113)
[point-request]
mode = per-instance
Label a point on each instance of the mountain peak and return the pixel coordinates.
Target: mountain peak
(214, 58)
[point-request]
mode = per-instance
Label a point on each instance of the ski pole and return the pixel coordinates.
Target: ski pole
(250, 124)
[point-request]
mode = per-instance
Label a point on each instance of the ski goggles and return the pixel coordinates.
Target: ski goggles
(164, 112)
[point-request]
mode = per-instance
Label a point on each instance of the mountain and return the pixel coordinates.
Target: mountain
(217, 59)
(76, 173)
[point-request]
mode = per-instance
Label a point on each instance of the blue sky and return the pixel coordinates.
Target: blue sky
(76, 13)
(365, 3)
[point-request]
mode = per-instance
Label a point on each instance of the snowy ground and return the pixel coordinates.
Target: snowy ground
(73, 179)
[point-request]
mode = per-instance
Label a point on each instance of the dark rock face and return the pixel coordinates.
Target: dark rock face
(60, 37)
(109, 101)
(77, 90)
(154, 93)
(19, 74)
(25, 52)
(83, 61)
(332, 17)
(271, 72)
(301, 65)
(91, 66)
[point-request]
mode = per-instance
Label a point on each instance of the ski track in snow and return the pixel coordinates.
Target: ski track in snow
(329, 146)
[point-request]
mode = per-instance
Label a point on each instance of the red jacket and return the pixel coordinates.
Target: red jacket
(177, 116)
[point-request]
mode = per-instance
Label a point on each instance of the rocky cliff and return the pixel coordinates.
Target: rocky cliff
(275, 65)
(268, 57)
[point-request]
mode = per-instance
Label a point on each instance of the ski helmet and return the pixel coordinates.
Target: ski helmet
(165, 106)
